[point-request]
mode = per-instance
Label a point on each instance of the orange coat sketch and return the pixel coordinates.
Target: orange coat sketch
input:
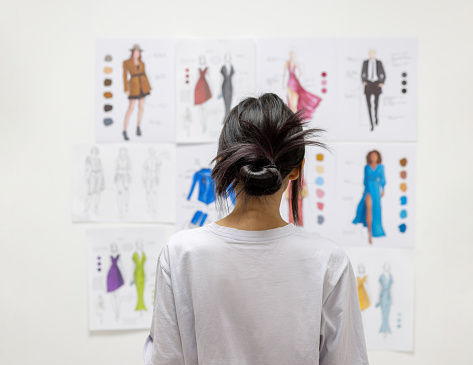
(137, 84)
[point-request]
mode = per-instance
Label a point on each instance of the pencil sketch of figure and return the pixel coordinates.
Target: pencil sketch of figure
(373, 78)
(227, 72)
(115, 278)
(100, 308)
(123, 180)
(202, 92)
(151, 170)
(385, 300)
(94, 180)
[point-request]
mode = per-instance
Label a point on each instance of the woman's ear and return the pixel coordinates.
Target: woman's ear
(295, 173)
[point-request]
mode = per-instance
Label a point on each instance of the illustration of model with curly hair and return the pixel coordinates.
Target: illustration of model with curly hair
(136, 87)
(297, 97)
(369, 209)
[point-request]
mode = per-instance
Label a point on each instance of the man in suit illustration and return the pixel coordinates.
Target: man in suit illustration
(373, 78)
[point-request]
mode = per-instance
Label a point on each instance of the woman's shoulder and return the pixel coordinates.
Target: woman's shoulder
(321, 243)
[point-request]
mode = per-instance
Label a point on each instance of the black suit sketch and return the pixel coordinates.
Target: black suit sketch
(227, 87)
(372, 86)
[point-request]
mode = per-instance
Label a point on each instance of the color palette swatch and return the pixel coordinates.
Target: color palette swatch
(403, 197)
(107, 82)
(324, 82)
(319, 183)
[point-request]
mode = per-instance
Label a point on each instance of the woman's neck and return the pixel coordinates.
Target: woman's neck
(255, 213)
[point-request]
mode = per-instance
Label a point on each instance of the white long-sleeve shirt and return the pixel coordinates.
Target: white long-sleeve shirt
(231, 297)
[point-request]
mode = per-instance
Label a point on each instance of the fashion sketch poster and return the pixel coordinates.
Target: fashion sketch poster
(385, 285)
(302, 71)
(212, 76)
(375, 195)
(377, 89)
(134, 90)
(122, 270)
(123, 183)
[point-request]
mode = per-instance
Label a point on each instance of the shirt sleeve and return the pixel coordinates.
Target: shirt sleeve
(163, 345)
(342, 340)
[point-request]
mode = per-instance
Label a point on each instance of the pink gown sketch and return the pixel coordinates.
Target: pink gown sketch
(307, 101)
(202, 91)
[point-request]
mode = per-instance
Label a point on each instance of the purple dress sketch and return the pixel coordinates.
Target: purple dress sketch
(114, 276)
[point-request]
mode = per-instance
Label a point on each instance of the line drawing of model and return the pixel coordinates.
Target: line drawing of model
(151, 172)
(115, 279)
(136, 87)
(297, 97)
(139, 275)
(227, 71)
(100, 308)
(362, 293)
(373, 78)
(385, 300)
(123, 180)
(94, 180)
(303, 194)
(368, 211)
(202, 92)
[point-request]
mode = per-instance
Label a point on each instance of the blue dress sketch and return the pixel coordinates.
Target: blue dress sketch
(374, 182)
(206, 186)
(385, 301)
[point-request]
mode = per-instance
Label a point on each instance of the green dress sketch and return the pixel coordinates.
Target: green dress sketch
(139, 276)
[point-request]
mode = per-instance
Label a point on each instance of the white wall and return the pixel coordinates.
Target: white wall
(47, 103)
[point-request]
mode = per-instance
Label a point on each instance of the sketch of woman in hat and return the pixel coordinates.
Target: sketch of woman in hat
(136, 86)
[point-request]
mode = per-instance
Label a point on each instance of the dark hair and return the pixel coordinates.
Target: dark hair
(378, 155)
(261, 142)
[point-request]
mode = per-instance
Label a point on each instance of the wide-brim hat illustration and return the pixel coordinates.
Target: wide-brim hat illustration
(136, 47)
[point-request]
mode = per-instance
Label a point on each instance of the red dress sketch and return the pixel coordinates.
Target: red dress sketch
(306, 101)
(302, 195)
(202, 91)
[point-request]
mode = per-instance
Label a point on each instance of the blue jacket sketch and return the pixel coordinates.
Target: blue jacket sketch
(374, 183)
(206, 186)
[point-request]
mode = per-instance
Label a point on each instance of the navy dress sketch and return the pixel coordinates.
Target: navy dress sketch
(227, 87)
(385, 301)
(374, 182)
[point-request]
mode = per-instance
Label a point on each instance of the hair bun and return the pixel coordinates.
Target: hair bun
(259, 181)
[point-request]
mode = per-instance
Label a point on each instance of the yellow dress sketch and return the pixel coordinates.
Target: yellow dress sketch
(139, 277)
(362, 294)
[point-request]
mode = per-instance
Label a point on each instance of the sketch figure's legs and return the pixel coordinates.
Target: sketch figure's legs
(96, 202)
(131, 105)
(116, 305)
(203, 117)
(293, 99)
(126, 198)
(141, 104)
(369, 216)
(376, 100)
(368, 102)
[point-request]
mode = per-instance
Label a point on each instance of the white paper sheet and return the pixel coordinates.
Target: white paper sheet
(157, 124)
(397, 103)
(314, 82)
(388, 311)
(124, 183)
(397, 204)
(121, 278)
(206, 84)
